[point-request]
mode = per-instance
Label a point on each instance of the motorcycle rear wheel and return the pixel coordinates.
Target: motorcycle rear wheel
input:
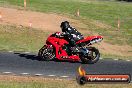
(46, 54)
(92, 57)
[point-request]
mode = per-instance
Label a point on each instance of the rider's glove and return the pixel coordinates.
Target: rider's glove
(58, 34)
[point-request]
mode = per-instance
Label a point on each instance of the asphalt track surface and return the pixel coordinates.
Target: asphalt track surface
(28, 63)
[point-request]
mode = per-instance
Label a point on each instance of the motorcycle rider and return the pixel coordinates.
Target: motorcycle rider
(71, 34)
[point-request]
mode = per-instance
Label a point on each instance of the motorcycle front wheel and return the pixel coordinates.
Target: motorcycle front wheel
(92, 57)
(46, 53)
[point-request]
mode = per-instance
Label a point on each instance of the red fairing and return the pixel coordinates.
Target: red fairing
(60, 53)
(58, 44)
(89, 38)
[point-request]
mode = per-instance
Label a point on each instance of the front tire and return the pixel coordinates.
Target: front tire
(46, 54)
(92, 57)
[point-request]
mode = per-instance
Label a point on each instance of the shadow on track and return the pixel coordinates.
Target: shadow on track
(35, 57)
(27, 56)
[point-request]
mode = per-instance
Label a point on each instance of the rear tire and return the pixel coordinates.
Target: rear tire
(46, 54)
(91, 58)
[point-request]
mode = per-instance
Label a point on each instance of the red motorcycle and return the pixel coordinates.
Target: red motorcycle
(58, 49)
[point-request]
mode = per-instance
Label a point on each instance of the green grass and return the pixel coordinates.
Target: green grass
(58, 84)
(111, 56)
(104, 11)
(21, 38)
(110, 34)
(31, 85)
(92, 12)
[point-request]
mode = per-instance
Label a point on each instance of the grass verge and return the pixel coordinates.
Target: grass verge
(37, 82)
(17, 38)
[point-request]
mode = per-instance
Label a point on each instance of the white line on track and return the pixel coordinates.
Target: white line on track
(51, 75)
(116, 59)
(26, 52)
(7, 72)
(128, 60)
(100, 58)
(24, 73)
(64, 76)
(10, 51)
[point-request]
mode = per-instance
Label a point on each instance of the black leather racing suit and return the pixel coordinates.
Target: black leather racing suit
(72, 35)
